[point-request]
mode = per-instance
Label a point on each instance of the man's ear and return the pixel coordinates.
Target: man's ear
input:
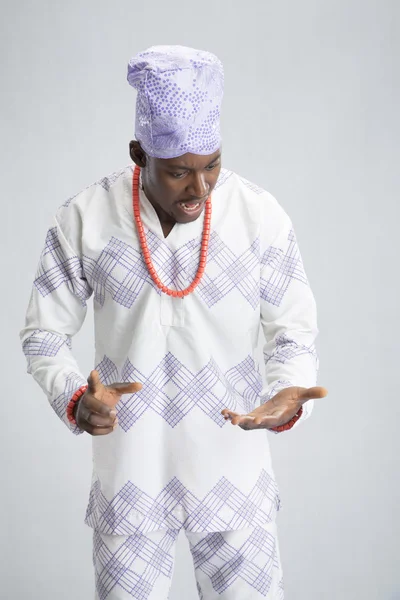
(137, 153)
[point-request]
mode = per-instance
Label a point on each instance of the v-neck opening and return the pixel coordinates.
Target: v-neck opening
(179, 234)
(169, 232)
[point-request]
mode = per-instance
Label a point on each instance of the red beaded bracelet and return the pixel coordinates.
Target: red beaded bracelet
(290, 423)
(71, 405)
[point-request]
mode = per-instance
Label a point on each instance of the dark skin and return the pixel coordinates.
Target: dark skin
(166, 182)
(277, 411)
(95, 412)
(191, 179)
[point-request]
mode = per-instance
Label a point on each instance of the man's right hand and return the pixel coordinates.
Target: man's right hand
(95, 412)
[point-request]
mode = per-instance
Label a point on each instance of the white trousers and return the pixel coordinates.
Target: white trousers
(230, 565)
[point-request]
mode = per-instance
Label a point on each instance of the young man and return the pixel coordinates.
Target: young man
(185, 262)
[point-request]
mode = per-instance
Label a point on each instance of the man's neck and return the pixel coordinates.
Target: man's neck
(167, 228)
(166, 221)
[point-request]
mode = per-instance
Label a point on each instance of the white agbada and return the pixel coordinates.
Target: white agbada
(173, 460)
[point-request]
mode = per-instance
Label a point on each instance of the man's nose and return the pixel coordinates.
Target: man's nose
(198, 187)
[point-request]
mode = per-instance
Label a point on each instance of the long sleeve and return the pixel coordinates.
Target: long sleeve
(288, 312)
(56, 312)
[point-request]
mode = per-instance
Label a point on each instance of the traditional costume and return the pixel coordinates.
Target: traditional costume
(174, 462)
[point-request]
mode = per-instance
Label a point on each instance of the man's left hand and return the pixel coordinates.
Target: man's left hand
(277, 411)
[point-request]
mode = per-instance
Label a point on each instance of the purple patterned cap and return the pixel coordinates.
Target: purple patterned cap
(179, 100)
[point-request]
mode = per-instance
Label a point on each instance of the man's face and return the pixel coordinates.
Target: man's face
(179, 187)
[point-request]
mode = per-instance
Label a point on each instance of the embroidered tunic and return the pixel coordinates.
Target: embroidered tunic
(174, 461)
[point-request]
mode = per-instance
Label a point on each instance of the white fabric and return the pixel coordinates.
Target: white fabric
(173, 461)
(229, 565)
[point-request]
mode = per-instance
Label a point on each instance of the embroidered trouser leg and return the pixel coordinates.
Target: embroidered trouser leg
(231, 565)
(238, 565)
(138, 566)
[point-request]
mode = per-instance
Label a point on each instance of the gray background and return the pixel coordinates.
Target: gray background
(311, 113)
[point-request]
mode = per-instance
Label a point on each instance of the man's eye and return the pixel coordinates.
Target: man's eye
(211, 167)
(177, 175)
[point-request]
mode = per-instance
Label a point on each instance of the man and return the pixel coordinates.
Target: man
(181, 282)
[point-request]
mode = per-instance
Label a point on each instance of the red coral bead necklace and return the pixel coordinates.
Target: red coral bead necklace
(146, 252)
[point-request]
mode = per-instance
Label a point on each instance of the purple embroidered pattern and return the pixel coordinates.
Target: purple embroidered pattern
(105, 183)
(281, 590)
(172, 390)
(224, 175)
(252, 186)
(55, 269)
(200, 593)
(142, 565)
(108, 372)
(223, 508)
(224, 564)
(279, 270)
(286, 349)
(72, 383)
(178, 102)
(121, 271)
(44, 343)
(135, 565)
(239, 273)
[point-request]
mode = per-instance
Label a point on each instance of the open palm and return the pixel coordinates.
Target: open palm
(277, 411)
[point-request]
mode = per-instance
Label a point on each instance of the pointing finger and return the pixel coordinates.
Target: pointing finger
(126, 388)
